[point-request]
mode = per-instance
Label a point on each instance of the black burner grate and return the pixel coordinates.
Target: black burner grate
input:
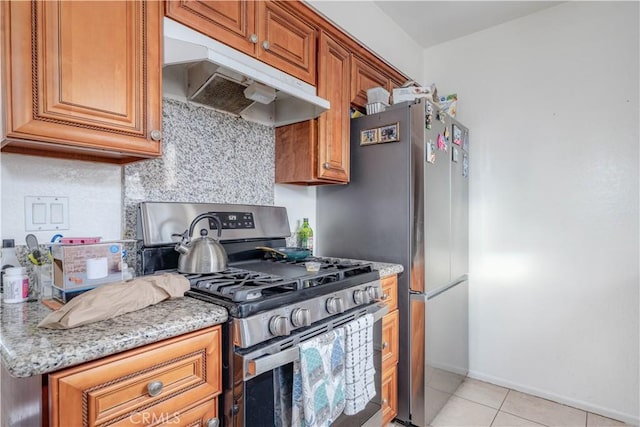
(239, 285)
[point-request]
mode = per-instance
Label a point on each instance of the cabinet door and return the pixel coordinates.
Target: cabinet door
(389, 394)
(230, 22)
(390, 342)
(333, 125)
(286, 41)
(201, 415)
(297, 153)
(364, 76)
(85, 75)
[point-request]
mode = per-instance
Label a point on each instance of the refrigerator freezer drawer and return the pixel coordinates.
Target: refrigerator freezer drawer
(441, 364)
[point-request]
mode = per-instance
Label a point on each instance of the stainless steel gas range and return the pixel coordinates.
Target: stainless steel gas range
(274, 305)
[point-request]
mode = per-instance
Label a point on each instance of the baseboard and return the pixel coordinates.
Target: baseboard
(586, 406)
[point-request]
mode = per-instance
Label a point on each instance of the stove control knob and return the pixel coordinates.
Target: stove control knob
(279, 326)
(335, 305)
(361, 297)
(374, 292)
(301, 317)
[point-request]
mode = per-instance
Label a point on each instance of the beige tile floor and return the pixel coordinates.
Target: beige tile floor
(479, 404)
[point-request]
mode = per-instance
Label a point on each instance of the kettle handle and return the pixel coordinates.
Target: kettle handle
(211, 215)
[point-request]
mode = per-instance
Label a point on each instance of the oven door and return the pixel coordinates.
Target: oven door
(261, 392)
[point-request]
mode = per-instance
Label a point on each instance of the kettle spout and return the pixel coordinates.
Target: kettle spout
(182, 248)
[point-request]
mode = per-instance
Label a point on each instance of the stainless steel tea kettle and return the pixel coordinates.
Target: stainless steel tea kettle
(203, 254)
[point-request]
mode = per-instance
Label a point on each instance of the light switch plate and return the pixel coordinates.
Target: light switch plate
(42, 213)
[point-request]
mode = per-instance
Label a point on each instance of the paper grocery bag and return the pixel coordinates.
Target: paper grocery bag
(114, 299)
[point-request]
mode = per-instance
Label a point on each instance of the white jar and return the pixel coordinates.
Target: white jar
(16, 285)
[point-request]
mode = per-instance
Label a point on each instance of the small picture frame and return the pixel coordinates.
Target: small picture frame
(457, 134)
(390, 133)
(369, 136)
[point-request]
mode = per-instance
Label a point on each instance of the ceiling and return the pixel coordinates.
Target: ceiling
(433, 22)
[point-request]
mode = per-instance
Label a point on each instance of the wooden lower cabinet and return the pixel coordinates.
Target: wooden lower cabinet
(389, 394)
(201, 415)
(173, 382)
(390, 349)
(390, 338)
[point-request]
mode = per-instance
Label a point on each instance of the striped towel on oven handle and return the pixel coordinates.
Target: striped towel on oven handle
(359, 370)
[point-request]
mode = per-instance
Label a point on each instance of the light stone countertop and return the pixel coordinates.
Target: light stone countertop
(387, 269)
(27, 350)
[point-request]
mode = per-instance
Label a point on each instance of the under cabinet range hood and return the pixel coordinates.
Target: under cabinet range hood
(207, 72)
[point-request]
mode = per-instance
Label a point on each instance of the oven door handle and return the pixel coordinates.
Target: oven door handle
(259, 365)
(267, 363)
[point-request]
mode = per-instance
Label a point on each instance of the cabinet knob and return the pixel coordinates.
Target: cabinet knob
(385, 296)
(385, 344)
(326, 165)
(156, 135)
(154, 388)
(266, 45)
(385, 402)
(213, 422)
(253, 38)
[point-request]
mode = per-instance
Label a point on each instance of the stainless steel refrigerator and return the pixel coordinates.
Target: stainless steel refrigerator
(407, 203)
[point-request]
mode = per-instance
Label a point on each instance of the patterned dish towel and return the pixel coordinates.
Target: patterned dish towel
(359, 371)
(318, 381)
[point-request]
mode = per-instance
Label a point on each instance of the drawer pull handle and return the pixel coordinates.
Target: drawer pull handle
(385, 344)
(213, 422)
(154, 388)
(156, 135)
(385, 296)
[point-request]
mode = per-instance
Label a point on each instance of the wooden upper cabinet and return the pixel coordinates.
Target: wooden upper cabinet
(317, 151)
(369, 74)
(286, 41)
(365, 76)
(83, 79)
(230, 22)
(333, 125)
(262, 29)
(394, 83)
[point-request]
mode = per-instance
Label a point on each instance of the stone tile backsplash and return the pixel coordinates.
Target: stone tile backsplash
(208, 156)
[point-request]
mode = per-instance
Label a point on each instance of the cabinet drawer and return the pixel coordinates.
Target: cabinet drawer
(390, 291)
(389, 394)
(198, 416)
(185, 370)
(390, 343)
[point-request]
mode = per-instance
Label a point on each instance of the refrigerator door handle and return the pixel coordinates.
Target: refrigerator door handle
(429, 295)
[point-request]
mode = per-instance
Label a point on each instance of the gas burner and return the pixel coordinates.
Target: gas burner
(235, 284)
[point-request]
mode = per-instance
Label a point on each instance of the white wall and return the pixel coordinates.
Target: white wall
(366, 22)
(93, 189)
(552, 103)
(300, 202)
